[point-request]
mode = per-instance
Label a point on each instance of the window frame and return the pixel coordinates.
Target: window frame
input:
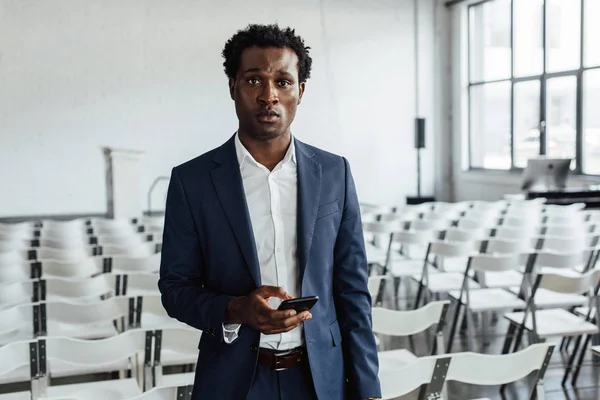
(541, 78)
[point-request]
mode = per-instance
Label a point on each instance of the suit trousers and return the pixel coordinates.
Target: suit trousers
(290, 384)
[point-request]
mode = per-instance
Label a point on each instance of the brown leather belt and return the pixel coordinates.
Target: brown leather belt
(280, 361)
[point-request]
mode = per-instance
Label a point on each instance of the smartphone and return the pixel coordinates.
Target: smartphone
(299, 304)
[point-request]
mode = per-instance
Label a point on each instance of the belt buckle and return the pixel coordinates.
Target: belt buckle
(277, 362)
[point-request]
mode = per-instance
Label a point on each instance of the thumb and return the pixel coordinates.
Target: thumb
(274, 291)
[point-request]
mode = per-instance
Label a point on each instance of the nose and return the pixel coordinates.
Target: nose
(268, 94)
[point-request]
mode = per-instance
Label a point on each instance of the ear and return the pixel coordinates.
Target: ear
(302, 87)
(231, 87)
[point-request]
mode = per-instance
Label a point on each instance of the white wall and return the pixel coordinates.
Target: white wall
(76, 76)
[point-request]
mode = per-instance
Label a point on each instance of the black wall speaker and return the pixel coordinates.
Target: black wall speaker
(419, 133)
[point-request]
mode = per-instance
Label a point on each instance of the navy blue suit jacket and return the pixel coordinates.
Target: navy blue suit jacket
(209, 256)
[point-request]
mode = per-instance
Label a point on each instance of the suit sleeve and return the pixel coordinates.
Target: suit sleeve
(182, 286)
(353, 301)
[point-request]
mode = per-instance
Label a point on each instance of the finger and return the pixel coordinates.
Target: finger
(291, 321)
(273, 291)
(284, 314)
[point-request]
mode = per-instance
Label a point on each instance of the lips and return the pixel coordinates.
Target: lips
(267, 116)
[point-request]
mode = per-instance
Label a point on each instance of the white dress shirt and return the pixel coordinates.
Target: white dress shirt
(272, 202)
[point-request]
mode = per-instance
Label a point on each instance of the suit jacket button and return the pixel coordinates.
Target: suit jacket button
(253, 348)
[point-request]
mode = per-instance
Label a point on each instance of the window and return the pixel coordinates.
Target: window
(531, 63)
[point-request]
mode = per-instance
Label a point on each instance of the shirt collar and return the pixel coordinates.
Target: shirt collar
(244, 155)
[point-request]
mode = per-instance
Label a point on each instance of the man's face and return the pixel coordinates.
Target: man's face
(266, 91)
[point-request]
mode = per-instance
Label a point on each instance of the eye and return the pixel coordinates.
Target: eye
(253, 81)
(284, 83)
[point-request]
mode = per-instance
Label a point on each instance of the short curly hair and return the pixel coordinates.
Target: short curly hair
(265, 36)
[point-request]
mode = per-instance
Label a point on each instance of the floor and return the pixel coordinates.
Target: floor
(588, 385)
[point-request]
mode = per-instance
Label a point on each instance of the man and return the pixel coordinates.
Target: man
(261, 219)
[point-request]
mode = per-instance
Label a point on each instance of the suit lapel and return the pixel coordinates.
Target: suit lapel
(309, 193)
(227, 181)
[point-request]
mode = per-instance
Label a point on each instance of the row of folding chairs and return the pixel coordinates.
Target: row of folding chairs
(402, 371)
(138, 356)
(19, 270)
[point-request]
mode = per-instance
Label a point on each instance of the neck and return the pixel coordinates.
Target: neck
(267, 152)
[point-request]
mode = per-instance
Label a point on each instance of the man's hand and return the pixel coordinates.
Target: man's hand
(254, 310)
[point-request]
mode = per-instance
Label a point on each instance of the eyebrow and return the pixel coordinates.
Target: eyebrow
(280, 72)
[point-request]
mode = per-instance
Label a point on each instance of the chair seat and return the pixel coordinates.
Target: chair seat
(490, 299)
(402, 268)
(375, 255)
(16, 396)
(548, 299)
(90, 331)
(554, 322)
(395, 359)
(153, 321)
(60, 368)
(454, 264)
(170, 357)
(443, 282)
(115, 389)
(504, 279)
(176, 380)
(596, 350)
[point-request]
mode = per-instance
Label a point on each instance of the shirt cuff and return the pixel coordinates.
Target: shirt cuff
(230, 332)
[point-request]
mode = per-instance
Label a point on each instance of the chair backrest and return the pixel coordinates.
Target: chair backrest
(87, 313)
(9, 246)
(15, 293)
(132, 265)
(494, 262)
(567, 284)
(373, 284)
(83, 268)
(82, 289)
(413, 237)
(16, 323)
(552, 259)
(382, 227)
(486, 370)
(502, 246)
(141, 282)
(67, 255)
(79, 352)
(405, 323)
(17, 272)
(14, 356)
(166, 393)
(402, 381)
(13, 257)
(451, 249)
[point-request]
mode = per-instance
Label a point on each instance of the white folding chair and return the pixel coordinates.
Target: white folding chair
(80, 290)
(134, 265)
(139, 284)
(483, 299)
(173, 347)
(443, 282)
(75, 357)
(424, 373)
(491, 370)
(166, 393)
(543, 324)
(12, 294)
(16, 366)
(408, 323)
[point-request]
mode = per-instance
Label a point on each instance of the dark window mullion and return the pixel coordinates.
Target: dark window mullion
(542, 126)
(512, 86)
(579, 140)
